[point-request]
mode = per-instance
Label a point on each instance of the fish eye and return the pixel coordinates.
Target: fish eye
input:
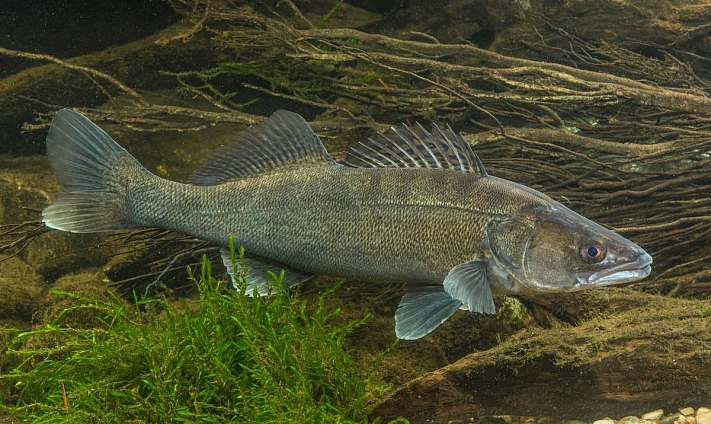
(593, 252)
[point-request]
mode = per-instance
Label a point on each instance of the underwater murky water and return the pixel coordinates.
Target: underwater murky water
(602, 106)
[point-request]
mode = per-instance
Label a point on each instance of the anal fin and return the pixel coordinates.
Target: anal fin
(257, 273)
(422, 310)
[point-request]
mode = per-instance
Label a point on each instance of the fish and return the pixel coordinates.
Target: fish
(408, 205)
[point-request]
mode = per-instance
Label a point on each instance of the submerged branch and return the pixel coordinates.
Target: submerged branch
(86, 70)
(14, 238)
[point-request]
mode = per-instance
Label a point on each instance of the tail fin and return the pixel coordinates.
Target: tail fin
(94, 171)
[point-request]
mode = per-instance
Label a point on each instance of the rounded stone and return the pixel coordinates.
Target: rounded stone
(631, 420)
(86, 287)
(703, 416)
(655, 415)
(670, 419)
(687, 412)
(21, 289)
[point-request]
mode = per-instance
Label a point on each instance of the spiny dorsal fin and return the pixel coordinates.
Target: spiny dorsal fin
(415, 147)
(282, 141)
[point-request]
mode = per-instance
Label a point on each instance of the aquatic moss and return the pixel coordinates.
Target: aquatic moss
(223, 358)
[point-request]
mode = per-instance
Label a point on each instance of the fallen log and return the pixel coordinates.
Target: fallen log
(641, 352)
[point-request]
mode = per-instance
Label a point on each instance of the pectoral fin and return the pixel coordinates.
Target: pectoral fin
(467, 283)
(422, 310)
(257, 270)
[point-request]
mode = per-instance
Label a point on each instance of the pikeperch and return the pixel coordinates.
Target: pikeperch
(408, 205)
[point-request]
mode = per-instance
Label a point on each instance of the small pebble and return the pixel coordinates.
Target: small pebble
(631, 420)
(655, 415)
(687, 412)
(701, 415)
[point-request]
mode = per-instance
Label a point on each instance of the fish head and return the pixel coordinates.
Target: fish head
(549, 248)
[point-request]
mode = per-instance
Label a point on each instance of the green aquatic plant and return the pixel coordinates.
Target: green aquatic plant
(328, 15)
(225, 357)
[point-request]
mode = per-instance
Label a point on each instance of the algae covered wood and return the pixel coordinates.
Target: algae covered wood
(646, 352)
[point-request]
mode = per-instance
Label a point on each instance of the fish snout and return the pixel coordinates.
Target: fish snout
(625, 272)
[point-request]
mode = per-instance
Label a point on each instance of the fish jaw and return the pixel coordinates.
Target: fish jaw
(619, 274)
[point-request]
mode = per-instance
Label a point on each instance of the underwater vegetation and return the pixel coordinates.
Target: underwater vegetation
(225, 357)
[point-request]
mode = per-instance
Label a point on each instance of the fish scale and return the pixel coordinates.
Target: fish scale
(369, 221)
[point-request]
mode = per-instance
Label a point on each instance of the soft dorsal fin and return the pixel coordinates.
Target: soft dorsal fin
(415, 147)
(282, 141)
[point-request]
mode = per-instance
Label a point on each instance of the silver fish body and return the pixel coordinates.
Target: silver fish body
(384, 225)
(412, 206)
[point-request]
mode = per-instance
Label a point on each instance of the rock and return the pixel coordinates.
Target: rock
(670, 419)
(604, 421)
(57, 253)
(703, 416)
(655, 415)
(632, 420)
(21, 289)
(687, 412)
(89, 284)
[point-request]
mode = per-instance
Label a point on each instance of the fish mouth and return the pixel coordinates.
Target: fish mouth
(623, 273)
